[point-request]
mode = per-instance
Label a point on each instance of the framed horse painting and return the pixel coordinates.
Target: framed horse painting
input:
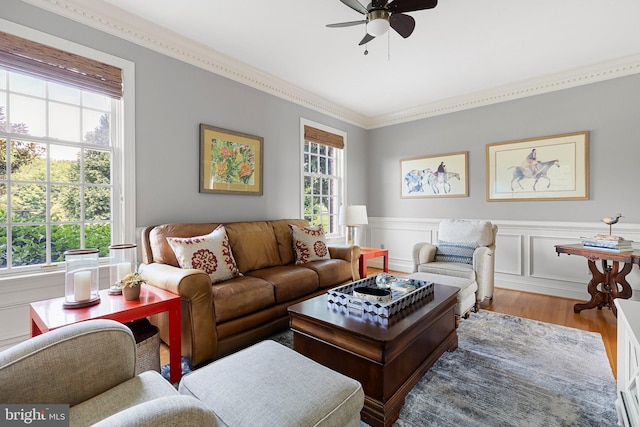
(444, 175)
(548, 168)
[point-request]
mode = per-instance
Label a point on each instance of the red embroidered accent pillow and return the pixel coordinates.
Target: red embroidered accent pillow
(210, 253)
(309, 243)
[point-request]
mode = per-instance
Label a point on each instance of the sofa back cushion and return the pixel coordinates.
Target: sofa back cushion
(283, 236)
(253, 244)
(160, 248)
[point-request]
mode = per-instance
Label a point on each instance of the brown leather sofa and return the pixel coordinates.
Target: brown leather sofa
(221, 318)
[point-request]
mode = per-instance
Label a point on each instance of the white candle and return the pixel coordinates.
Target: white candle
(82, 285)
(123, 269)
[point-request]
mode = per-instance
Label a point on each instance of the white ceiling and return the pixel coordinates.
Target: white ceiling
(463, 53)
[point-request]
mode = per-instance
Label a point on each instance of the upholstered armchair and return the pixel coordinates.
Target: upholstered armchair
(90, 366)
(465, 249)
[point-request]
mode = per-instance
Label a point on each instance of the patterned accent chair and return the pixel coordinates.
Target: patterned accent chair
(465, 250)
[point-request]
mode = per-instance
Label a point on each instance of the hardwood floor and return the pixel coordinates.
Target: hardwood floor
(543, 308)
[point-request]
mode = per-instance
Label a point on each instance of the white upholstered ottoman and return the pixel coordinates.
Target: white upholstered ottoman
(269, 384)
(466, 295)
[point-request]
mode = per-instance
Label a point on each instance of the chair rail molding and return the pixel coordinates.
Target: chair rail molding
(526, 259)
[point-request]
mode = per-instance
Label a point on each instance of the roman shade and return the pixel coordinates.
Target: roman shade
(323, 137)
(45, 62)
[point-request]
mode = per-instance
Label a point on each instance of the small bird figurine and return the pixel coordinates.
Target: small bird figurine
(611, 220)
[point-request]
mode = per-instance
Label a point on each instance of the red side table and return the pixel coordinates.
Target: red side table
(50, 314)
(368, 253)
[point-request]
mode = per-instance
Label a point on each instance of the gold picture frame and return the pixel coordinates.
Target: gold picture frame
(420, 177)
(230, 162)
(548, 168)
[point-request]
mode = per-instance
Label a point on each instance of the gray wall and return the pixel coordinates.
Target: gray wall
(172, 99)
(609, 110)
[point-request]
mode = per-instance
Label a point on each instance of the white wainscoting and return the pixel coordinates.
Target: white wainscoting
(526, 259)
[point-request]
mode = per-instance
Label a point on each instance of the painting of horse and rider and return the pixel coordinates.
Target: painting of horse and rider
(553, 167)
(437, 176)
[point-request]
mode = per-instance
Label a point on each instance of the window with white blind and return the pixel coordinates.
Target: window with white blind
(62, 174)
(323, 178)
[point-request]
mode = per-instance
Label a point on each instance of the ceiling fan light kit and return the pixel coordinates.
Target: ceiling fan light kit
(382, 14)
(378, 22)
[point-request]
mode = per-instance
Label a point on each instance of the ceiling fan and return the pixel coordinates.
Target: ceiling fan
(382, 14)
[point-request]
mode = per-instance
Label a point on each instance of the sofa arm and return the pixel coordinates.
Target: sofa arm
(198, 319)
(349, 253)
(183, 411)
(423, 253)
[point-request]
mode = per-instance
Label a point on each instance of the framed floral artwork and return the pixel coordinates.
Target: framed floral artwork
(230, 162)
(547, 168)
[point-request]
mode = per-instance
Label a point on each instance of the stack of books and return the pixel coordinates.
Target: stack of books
(607, 243)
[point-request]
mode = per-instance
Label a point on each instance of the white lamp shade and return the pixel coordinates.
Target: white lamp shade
(353, 215)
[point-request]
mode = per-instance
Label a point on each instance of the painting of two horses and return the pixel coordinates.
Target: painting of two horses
(554, 167)
(443, 175)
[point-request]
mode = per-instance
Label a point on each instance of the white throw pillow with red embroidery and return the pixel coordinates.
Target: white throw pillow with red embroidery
(309, 243)
(210, 253)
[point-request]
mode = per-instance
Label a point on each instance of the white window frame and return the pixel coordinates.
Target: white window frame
(337, 237)
(123, 145)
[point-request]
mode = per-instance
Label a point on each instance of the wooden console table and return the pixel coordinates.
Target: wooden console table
(612, 279)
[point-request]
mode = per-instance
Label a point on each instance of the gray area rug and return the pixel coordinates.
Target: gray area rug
(510, 371)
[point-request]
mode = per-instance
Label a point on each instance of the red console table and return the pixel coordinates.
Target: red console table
(49, 314)
(368, 253)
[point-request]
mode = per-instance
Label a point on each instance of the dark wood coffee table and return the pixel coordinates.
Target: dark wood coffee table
(387, 359)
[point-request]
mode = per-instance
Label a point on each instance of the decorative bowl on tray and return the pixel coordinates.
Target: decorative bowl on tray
(372, 294)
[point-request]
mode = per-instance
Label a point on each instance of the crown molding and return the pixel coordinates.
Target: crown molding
(594, 73)
(119, 23)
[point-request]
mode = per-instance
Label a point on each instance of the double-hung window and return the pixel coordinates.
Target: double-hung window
(61, 151)
(322, 175)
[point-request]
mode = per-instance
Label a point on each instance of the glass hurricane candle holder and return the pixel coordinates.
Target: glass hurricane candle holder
(122, 261)
(82, 282)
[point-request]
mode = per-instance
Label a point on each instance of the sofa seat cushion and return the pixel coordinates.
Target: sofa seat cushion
(455, 269)
(240, 296)
(289, 282)
(331, 272)
(142, 388)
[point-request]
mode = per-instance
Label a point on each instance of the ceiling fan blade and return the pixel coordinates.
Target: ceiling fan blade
(366, 39)
(399, 6)
(355, 5)
(378, 3)
(346, 24)
(403, 24)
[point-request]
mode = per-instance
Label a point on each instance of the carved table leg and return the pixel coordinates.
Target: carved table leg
(614, 285)
(592, 288)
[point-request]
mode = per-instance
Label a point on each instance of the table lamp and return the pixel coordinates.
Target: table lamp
(352, 216)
